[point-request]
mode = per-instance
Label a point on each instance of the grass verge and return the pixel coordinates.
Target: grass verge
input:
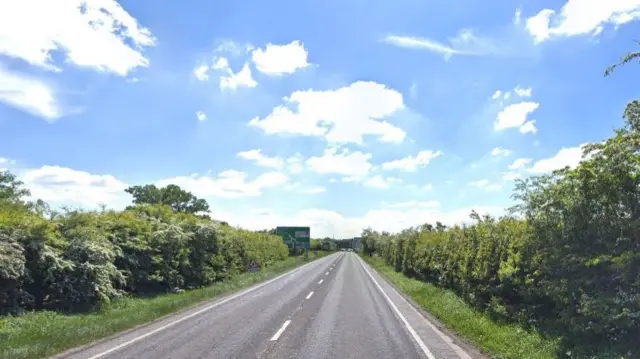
(499, 340)
(42, 334)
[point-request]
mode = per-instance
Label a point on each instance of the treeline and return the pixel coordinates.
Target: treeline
(78, 260)
(566, 260)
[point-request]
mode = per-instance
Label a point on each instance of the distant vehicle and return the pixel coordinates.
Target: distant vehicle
(349, 250)
(341, 249)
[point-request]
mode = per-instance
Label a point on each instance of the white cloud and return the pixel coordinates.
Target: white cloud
(523, 92)
(413, 204)
(413, 91)
(499, 151)
(221, 64)
(65, 186)
(242, 78)
(201, 116)
(529, 127)
(94, 33)
(28, 94)
(411, 163)
(233, 48)
(486, 185)
(262, 160)
(515, 115)
(227, 184)
(342, 116)
(295, 163)
(570, 156)
(381, 182)
(517, 16)
(427, 187)
(301, 189)
(313, 190)
(413, 42)
(280, 59)
(352, 179)
(342, 162)
(5, 163)
(466, 42)
(200, 72)
(230, 80)
(519, 163)
(582, 17)
(510, 176)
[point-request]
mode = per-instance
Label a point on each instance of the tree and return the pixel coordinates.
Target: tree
(11, 189)
(625, 60)
(174, 196)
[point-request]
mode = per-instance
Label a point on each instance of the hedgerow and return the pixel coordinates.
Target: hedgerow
(80, 260)
(565, 260)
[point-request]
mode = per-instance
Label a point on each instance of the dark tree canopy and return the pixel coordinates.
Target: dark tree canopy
(171, 195)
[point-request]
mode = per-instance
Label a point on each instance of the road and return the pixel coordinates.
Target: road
(334, 307)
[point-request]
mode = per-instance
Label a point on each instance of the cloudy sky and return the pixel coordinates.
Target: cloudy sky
(334, 114)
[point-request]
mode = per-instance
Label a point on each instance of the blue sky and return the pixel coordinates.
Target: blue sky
(334, 114)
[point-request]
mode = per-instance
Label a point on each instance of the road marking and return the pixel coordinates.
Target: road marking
(310, 294)
(249, 290)
(456, 348)
(320, 282)
(412, 331)
(280, 331)
(326, 273)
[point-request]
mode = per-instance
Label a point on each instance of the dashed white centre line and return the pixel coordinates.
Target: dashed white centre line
(326, 273)
(310, 294)
(321, 280)
(280, 331)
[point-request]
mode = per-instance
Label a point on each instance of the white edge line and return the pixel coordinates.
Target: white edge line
(321, 280)
(280, 331)
(310, 294)
(447, 339)
(120, 346)
(412, 331)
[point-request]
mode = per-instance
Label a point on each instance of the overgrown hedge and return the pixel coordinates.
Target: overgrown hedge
(79, 260)
(565, 261)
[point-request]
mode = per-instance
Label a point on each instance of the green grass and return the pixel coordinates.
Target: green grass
(498, 340)
(41, 334)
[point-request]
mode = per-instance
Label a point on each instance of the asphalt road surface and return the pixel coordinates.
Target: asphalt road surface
(334, 307)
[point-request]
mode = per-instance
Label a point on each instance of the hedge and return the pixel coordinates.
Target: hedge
(565, 261)
(79, 260)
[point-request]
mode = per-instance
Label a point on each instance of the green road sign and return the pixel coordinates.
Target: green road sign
(295, 236)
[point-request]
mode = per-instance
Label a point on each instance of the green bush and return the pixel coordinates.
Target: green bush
(80, 260)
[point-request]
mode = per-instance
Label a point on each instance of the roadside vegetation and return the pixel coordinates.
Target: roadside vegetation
(565, 261)
(72, 276)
